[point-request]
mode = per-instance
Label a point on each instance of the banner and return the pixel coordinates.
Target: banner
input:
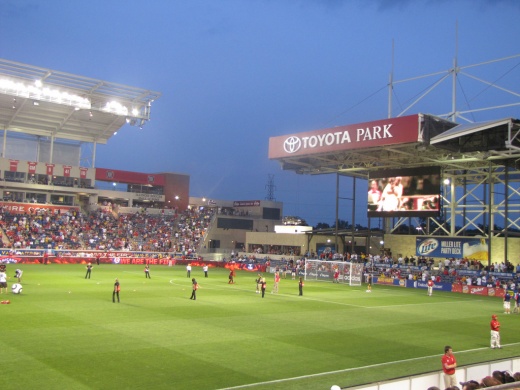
(83, 173)
(66, 170)
(50, 169)
(35, 208)
(13, 165)
(452, 247)
(32, 167)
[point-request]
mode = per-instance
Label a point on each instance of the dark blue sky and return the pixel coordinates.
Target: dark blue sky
(234, 73)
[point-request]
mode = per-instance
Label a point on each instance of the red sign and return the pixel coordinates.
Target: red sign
(34, 208)
(13, 165)
(50, 169)
(115, 175)
(66, 170)
(363, 135)
(83, 173)
(32, 167)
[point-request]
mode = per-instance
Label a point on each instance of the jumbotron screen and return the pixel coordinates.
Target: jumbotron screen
(409, 192)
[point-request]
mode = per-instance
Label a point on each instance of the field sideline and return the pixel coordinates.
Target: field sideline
(64, 331)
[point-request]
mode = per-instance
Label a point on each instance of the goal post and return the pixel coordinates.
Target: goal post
(322, 270)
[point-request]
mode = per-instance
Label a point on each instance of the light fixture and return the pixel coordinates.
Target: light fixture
(37, 91)
(36, 103)
(446, 182)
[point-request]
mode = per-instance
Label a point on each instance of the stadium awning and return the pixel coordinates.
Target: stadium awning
(48, 103)
(496, 138)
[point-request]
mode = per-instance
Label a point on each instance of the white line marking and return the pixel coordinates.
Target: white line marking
(350, 369)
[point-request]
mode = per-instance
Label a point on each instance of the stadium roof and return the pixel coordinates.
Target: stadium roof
(49, 103)
(432, 142)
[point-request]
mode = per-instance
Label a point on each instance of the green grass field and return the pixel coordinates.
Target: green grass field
(64, 332)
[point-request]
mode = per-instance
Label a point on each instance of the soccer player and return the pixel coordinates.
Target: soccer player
(231, 277)
(205, 269)
(18, 275)
(264, 286)
(430, 287)
(117, 288)
(276, 283)
(507, 303)
(495, 332)
(517, 302)
(188, 270)
(300, 286)
(147, 271)
(89, 270)
(449, 363)
(194, 288)
(258, 283)
(3, 281)
(336, 276)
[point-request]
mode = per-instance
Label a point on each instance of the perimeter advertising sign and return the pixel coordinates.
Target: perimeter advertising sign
(384, 132)
(451, 247)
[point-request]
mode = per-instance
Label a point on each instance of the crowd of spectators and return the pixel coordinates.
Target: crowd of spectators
(105, 230)
(496, 379)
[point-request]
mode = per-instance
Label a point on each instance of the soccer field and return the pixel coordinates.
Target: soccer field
(64, 332)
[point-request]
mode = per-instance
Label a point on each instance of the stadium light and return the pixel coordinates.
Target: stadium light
(38, 92)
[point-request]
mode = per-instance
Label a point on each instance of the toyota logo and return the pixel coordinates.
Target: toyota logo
(292, 144)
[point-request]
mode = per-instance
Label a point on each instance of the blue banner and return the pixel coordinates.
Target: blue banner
(452, 247)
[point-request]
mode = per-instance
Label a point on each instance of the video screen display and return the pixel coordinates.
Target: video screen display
(410, 192)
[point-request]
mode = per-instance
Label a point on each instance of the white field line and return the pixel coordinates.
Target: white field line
(304, 297)
(350, 369)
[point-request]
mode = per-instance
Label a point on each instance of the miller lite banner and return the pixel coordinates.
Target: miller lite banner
(384, 132)
(452, 247)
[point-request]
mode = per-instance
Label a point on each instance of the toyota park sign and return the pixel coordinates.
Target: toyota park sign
(364, 135)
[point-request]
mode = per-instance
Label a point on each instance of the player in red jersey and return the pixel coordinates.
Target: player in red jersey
(449, 363)
(495, 332)
(430, 287)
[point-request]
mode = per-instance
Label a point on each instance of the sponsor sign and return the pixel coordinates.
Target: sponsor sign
(8, 260)
(21, 252)
(246, 203)
(34, 208)
(385, 132)
(458, 248)
(152, 197)
(104, 174)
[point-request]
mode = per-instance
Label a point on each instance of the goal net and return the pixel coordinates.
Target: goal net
(351, 273)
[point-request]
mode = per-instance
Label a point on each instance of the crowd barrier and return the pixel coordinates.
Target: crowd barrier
(449, 287)
(464, 373)
(82, 257)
